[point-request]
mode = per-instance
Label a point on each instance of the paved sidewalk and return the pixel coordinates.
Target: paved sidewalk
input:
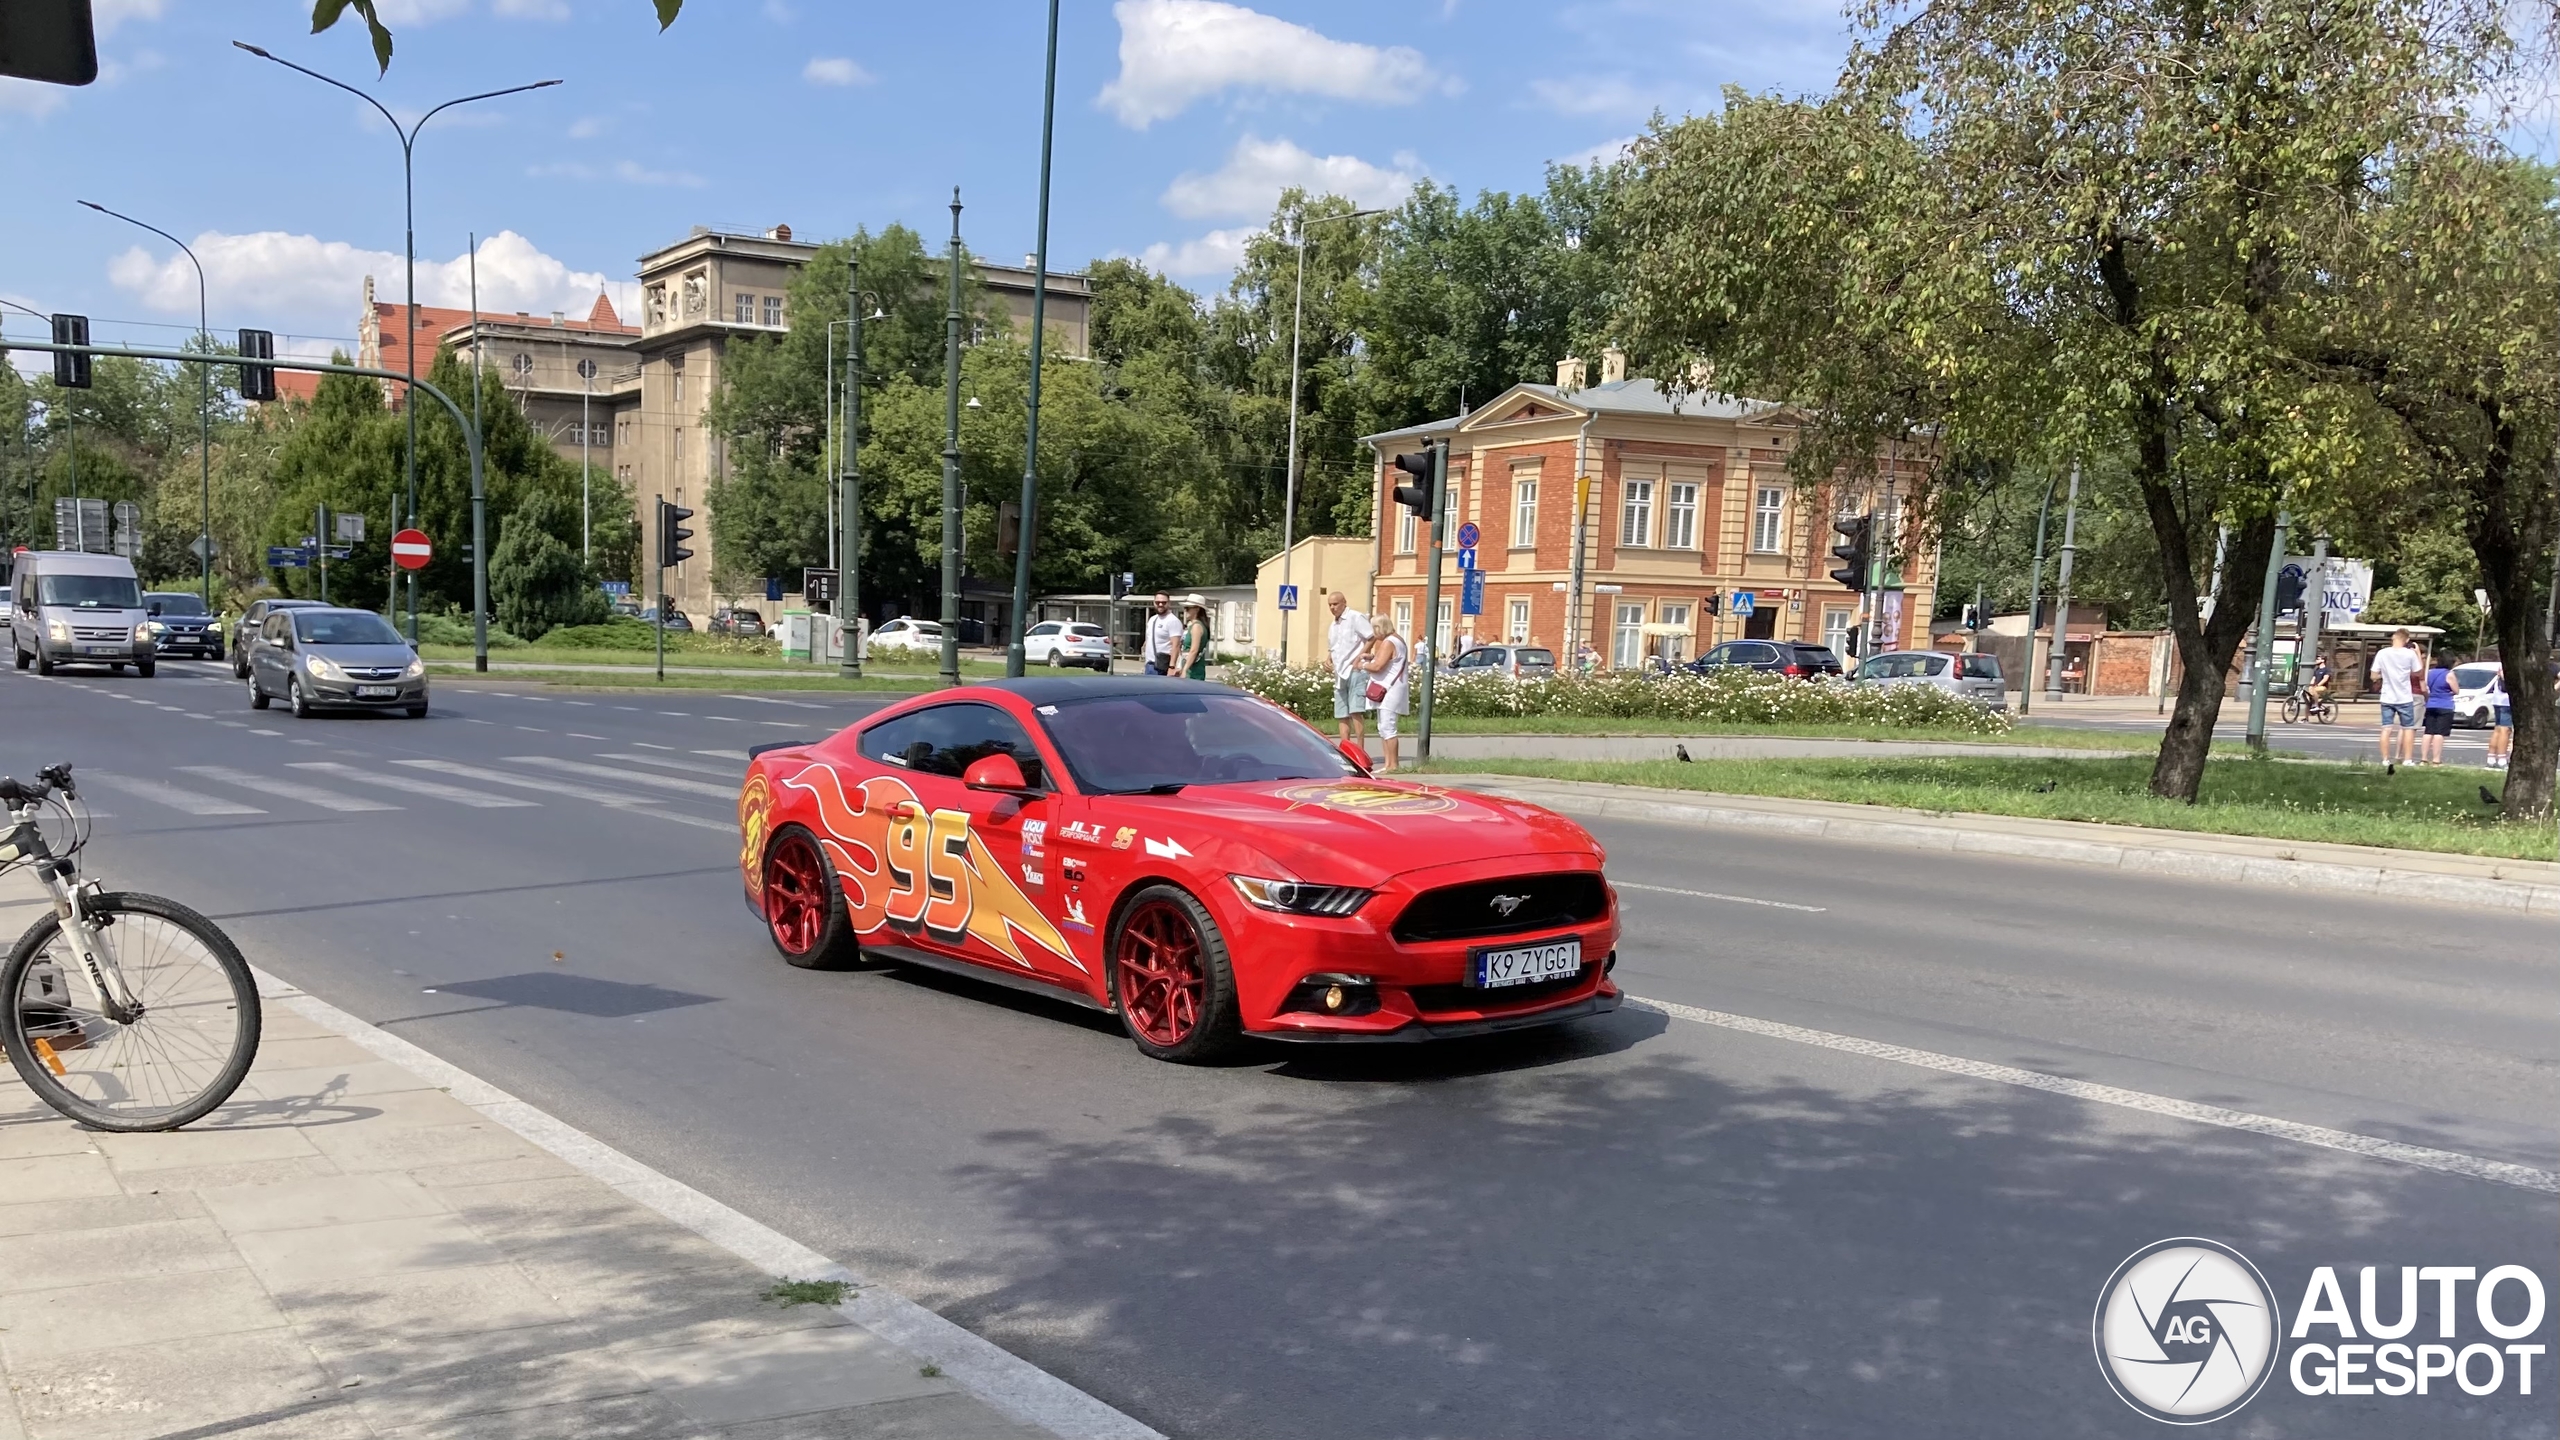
(348, 1250)
(1722, 747)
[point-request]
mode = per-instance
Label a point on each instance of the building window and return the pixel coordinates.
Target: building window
(1680, 521)
(1403, 611)
(1441, 644)
(773, 310)
(675, 450)
(1768, 520)
(746, 309)
(1674, 648)
(1516, 627)
(1408, 525)
(1835, 629)
(1626, 638)
(1524, 510)
(676, 364)
(523, 363)
(1635, 515)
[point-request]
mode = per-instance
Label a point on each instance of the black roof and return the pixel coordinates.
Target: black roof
(1049, 690)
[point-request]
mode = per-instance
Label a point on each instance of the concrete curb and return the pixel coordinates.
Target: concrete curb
(2525, 885)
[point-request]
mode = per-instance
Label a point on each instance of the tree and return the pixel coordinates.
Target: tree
(342, 451)
(325, 13)
(536, 583)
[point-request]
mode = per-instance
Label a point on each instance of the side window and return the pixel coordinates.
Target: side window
(1933, 665)
(1045, 628)
(277, 624)
(948, 739)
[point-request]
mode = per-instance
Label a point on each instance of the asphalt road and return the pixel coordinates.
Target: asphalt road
(1640, 1226)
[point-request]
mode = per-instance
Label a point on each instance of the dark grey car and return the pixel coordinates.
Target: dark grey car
(327, 659)
(252, 621)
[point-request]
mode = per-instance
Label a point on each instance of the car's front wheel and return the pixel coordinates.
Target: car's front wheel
(297, 699)
(257, 697)
(1170, 979)
(804, 907)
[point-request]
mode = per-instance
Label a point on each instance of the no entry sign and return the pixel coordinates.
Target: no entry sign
(410, 550)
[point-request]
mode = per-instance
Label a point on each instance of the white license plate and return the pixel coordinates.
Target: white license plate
(376, 692)
(106, 650)
(1526, 964)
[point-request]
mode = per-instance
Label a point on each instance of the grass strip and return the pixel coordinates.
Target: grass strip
(640, 681)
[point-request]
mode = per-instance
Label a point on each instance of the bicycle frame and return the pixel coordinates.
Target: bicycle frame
(25, 841)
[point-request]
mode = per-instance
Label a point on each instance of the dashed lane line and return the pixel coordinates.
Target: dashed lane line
(189, 801)
(284, 789)
(664, 782)
(616, 799)
(476, 799)
(1712, 895)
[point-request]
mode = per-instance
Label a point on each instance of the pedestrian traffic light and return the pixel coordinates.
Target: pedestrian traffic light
(71, 367)
(1416, 496)
(1711, 606)
(672, 534)
(2290, 583)
(1973, 617)
(1856, 551)
(257, 382)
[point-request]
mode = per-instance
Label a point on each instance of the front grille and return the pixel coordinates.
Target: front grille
(93, 635)
(1463, 912)
(371, 675)
(1441, 999)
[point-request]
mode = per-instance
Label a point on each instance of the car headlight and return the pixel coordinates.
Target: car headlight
(324, 668)
(417, 667)
(146, 630)
(59, 630)
(1296, 897)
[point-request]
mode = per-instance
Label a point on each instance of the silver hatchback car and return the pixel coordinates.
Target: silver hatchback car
(1975, 676)
(327, 659)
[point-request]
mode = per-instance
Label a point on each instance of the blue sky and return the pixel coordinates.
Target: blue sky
(1178, 123)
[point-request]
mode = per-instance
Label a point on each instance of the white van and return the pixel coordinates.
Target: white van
(74, 609)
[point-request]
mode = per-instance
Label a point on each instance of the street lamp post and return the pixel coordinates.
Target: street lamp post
(1289, 502)
(1029, 522)
(409, 201)
(849, 502)
(586, 491)
(204, 403)
(951, 517)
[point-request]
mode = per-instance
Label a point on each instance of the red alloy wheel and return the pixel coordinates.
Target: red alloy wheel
(1163, 985)
(795, 894)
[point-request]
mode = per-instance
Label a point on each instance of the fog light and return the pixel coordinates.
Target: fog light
(1333, 997)
(1330, 994)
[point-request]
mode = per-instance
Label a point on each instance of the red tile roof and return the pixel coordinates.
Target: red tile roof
(435, 322)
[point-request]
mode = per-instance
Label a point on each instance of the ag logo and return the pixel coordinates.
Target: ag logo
(2186, 1331)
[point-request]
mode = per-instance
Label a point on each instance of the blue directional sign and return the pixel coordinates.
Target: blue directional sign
(1467, 558)
(1288, 597)
(1471, 592)
(288, 557)
(617, 587)
(1743, 602)
(1468, 535)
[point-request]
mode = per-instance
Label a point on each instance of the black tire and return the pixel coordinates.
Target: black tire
(24, 659)
(240, 666)
(257, 697)
(828, 945)
(146, 668)
(217, 968)
(1055, 663)
(1219, 1031)
(418, 711)
(44, 663)
(297, 699)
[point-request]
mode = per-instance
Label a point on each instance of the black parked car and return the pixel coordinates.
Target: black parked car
(182, 625)
(1779, 657)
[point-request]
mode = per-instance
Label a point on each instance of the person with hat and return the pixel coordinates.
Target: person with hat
(1193, 661)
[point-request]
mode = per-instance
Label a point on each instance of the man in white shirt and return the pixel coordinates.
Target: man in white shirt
(1347, 641)
(1164, 636)
(2395, 670)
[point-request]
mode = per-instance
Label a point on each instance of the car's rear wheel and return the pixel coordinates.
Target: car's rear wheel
(804, 906)
(1170, 979)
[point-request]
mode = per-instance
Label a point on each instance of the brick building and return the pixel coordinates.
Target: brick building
(1685, 501)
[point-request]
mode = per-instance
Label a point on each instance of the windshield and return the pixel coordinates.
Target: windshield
(345, 627)
(1122, 744)
(91, 592)
(176, 602)
(1085, 632)
(2476, 677)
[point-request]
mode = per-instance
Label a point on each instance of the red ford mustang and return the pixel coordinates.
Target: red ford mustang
(1194, 859)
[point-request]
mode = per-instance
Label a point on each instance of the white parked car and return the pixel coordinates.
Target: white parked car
(908, 633)
(1057, 643)
(1975, 676)
(2478, 690)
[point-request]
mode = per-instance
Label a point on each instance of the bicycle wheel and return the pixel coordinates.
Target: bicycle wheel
(2293, 709)
(182, 1053)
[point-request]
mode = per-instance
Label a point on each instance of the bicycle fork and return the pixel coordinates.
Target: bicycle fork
(97, 969)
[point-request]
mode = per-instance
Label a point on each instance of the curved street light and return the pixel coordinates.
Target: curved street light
(409, 194)
(1297, 314)
(204, 402)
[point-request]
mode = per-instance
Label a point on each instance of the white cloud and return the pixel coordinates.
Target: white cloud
(106, 15)
(1592, 95)
(630, 172)
(1258, 170)
(588, 127)
(396, 13)
(1217, 253)
(31, 97)
(1607, 152)
(532, 9)
(834, 70)
(1173, 52)
(300, 280)
(779, 13)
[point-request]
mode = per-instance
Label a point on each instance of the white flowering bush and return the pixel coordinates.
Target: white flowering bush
(1726, 697)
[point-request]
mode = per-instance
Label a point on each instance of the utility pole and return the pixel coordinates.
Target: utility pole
(1431, 590)
(2035, 594)
(2314, 602)
(951, 518)
(1028, 525)
(2055, 652)
(586, 467)
(849, 502)
(320, 542)
(2262, 652)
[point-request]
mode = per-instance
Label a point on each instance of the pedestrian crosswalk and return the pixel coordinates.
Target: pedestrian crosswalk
(686, 788)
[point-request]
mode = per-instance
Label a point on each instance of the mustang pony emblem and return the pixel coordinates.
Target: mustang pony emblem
(910, 868)
(1505, 904)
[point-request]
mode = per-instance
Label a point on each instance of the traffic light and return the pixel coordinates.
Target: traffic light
(1416, 496)
(672, 534)
(2290, 583)
(71, 367)
(257, 382)
(1711, 606)
(1973, 617)
(1856, 551)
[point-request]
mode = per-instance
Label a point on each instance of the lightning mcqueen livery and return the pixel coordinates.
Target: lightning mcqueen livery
(1194, 859)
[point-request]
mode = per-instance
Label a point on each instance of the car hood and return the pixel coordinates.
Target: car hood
(1350, 831)
(366, 657)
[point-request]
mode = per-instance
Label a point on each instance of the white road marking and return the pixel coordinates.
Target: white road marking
(1712, 895)
(575, 735)
(477, 800)
(2450, 1162)
(785, 724)
(266, 732)
(679, 714)
(527, 782)
(769, 700)
(477, 721)
(536, 729)
(730, 719)
(662, 762)
(602, 772)
(645, 745)
(738, 755)
(285, 789)
(1021, 1390)
(173, 797)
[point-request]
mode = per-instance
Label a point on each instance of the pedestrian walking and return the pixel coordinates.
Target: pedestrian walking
(1191, 657)
(1346, 640)
(2502, 721)
(2393, 670)
(1390, 668)
(1164, 635)
(2439, 717)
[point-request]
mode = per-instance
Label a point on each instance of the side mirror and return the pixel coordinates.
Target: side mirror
(1358, 757)
(995, 772)
(155, 607)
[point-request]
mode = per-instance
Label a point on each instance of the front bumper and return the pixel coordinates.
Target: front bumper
(333, 694)
(1599, 1003)
(99, 652)
(203, 644)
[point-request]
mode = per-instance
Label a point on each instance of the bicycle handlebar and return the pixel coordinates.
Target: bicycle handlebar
(53, 777)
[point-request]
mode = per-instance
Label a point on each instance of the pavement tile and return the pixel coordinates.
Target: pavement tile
(143, 1391)
(77, 1319)
(321, 1200)
(124, 1252)
(494, 1386)
(366, 1147)
(766, 1377)
(44, 1217)
(206, 1144)
(627, 1301)
(417, 1107)
(282, 1053)
(621, 1417)
(535, 1164)
(331, 1082)
(215, 1176)
(60, 1177)
(328, 1254)
(936, 1417)
(420, 1305)
(550, 1205)
(384, 1356)
(45, 1134)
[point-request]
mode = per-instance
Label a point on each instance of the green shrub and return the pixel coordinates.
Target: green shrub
(1728, 697)
(619, 633)
(456, 630)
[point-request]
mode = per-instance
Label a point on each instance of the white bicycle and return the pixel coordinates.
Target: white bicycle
(132, 1012)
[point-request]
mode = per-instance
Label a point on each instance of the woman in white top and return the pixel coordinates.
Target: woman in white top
(1390, 664)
